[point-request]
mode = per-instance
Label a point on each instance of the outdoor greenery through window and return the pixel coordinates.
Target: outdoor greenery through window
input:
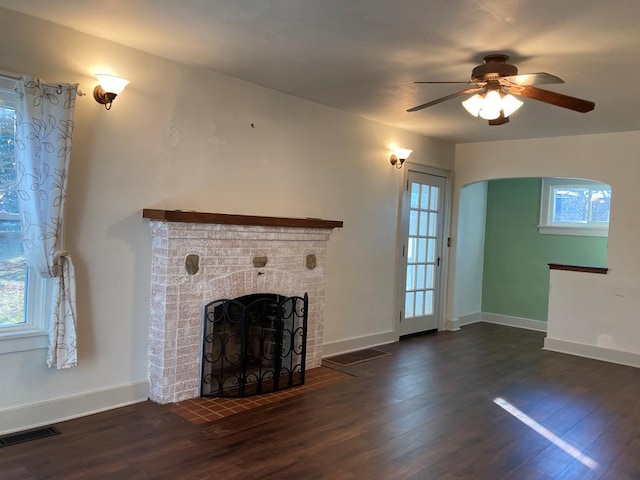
(575, 207)
(12, 263)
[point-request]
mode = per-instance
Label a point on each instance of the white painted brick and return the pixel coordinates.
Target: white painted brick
(226, 271)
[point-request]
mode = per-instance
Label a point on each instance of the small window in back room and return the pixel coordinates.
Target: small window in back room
(572, 206)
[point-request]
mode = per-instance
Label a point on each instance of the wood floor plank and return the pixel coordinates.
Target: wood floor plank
(426, 411)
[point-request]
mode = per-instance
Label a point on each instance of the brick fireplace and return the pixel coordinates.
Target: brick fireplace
(201, 257)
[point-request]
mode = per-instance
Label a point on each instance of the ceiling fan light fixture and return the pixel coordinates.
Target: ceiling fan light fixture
(489, 105)
(494, 79)
(485, 105)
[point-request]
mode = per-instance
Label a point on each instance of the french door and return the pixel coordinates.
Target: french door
(422, 226)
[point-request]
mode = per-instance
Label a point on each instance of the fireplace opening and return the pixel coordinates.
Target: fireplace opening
(253, 344)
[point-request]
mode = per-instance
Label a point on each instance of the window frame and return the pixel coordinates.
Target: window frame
(548, 227)
(33, 332)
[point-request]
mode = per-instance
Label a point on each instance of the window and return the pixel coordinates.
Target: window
(22, 293)
(12, 265)
(574, 207)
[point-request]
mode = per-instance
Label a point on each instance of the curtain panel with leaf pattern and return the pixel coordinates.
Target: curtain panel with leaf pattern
(44, 128)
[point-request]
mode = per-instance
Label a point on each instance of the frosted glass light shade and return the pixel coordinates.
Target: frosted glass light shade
(492, 100)
(510, 104)
(473, 104)
(491, 106)
(403, 153)
(111, 83)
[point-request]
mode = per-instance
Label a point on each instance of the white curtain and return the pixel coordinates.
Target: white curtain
(44, 127)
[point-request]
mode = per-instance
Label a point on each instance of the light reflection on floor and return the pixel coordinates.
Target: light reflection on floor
(546, 433)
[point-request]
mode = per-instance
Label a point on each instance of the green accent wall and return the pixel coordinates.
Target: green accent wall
(516, 275)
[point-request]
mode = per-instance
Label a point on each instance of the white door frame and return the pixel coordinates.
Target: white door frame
(446, 233)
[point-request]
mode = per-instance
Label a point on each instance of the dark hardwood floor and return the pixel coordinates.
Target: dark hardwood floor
(482, 403)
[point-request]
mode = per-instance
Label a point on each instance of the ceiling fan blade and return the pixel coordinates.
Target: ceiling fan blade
(448, 97)
(532, 79)
(468, 83)
(554, 98)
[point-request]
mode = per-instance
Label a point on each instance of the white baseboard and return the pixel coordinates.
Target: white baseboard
(452, 325)
(66, 408)
(519, 322)
(358, 343)
(591, 351)
(470, 318)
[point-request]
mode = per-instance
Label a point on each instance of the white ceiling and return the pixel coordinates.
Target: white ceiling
(363, 55)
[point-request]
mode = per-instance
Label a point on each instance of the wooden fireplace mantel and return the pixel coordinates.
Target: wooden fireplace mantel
(185, 216)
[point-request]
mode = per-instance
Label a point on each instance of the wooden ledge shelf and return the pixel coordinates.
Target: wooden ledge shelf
(185, 216)
(578, 268)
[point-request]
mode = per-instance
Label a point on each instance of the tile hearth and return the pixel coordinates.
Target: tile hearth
(201, 410)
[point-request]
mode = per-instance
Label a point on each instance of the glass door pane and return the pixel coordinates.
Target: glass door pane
(422, 249)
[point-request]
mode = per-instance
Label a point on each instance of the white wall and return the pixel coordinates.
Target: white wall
(181, 138)
(596, 311)
(469, 266)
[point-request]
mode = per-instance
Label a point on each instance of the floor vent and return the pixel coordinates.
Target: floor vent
(27, 435)
(359, 356)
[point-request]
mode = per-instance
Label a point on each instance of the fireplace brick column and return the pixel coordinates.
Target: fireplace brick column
(225, 257)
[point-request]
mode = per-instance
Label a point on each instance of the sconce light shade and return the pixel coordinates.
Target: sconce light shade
(399, 157)
(109, 88)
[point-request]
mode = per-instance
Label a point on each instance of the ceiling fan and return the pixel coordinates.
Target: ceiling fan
(494, 84)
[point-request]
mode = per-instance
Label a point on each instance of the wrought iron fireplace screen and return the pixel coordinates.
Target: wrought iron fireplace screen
(253, 344)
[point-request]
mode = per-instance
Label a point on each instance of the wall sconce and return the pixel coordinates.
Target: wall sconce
(399, 157)
(108, 89)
